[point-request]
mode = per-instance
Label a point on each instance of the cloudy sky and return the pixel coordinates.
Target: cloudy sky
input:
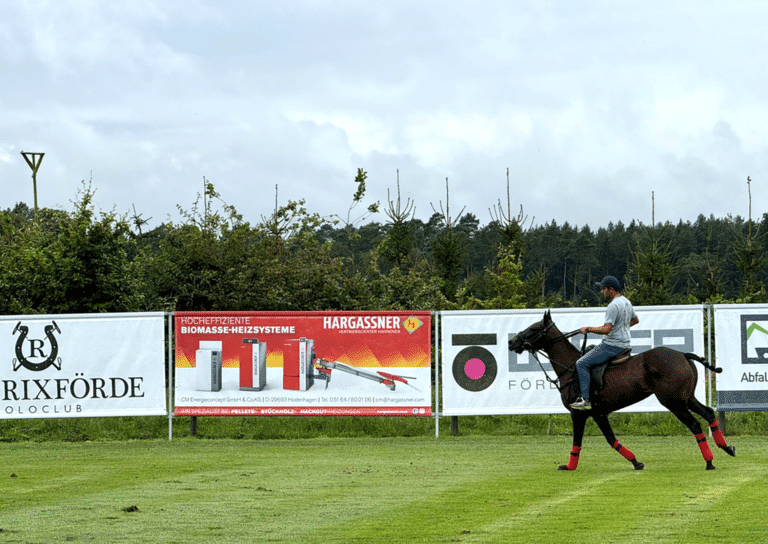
(592, 105)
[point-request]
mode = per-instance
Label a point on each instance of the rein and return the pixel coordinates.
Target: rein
(535, 352)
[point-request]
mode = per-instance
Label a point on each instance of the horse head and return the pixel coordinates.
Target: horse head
(534, 337)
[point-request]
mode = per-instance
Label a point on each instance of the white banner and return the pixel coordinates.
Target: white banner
(482, 377)
(82, 365)
(741, 350)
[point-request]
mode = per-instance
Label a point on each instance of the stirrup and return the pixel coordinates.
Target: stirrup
(581, 404)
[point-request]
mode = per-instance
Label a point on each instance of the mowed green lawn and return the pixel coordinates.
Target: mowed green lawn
(465, 489)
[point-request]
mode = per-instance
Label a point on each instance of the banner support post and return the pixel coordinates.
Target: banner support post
(708, 374)
(171, 379)
(437, 375)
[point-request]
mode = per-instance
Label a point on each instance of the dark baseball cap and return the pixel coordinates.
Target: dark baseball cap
(609, 282)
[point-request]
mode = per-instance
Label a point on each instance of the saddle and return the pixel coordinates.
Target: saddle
(598, 371)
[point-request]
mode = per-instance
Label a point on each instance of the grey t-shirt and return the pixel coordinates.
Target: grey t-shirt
(619, 314)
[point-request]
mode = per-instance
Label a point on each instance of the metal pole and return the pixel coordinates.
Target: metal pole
(33, 160)
(171, 374)
(437, 373)
(710, 375)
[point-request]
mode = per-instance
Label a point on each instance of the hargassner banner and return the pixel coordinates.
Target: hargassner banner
(741, 350)
(482, 377)
(303, 364)
(82, 365)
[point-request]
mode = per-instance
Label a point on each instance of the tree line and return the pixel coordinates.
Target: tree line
(84, 260)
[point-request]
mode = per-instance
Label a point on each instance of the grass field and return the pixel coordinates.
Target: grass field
(452, 489)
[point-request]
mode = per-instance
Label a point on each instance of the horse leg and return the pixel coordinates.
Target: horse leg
(708, 414)
(686, 417)
(579, 421)
(605, 427)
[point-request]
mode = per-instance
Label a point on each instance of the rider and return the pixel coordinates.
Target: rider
(619, 317)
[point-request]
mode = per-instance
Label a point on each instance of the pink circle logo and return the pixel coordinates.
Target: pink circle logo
(474, 369)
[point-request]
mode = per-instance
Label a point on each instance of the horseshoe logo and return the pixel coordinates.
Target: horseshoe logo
(52, 360)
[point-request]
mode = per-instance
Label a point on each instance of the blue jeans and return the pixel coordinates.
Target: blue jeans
(592, 358)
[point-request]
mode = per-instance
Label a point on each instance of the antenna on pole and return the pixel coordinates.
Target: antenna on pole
(33, 160)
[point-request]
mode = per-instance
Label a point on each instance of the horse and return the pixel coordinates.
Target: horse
(669, 374)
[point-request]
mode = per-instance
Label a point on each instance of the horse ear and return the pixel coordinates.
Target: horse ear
(548, 315)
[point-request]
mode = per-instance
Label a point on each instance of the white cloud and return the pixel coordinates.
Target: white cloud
(151, 96)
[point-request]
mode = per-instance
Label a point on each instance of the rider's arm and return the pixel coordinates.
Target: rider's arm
(634, 321)
(603, 329)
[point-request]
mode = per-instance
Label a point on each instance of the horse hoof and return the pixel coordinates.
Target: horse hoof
(563, 467)
(730, 450)
(639, 466)
(710, 466)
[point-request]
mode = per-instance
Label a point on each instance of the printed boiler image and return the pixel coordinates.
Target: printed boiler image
(314, 363)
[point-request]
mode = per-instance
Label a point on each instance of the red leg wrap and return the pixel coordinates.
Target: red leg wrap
(704, 447)
(625, 453)
(717, 434)
(573, 462)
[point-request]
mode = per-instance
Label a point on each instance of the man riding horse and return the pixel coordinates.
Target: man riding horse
(619, 317)
(668, 374)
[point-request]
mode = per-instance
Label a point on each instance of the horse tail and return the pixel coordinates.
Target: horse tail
(704, 362)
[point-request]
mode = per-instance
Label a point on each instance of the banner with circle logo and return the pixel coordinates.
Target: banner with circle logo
(482, 377)
(82, 365)
(303, 363)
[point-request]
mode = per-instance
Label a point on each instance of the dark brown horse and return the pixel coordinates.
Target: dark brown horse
(664, 372)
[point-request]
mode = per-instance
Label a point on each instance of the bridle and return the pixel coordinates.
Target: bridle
(528, 345)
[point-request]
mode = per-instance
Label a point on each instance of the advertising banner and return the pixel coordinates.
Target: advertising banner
(741, 350)
(303, 364)
(482, 377)
(82, 365)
